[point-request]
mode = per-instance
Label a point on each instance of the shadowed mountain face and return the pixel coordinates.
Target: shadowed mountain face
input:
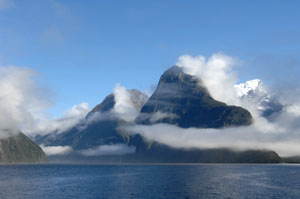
(99, 128)
(182, 100)
(179, 99)
(20, 149)
(156, 152)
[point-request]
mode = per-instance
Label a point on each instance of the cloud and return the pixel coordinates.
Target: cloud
(23, 105)
(127, 105)
(5, 4)
(70, 118)
(56, 150)
(216, 73)
(157, 116)
(239, 138)
(22, 101)
(104, 150)
(293, 109)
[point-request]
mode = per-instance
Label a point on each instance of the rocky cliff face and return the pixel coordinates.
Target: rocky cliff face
(100, 127)
(20, 149)
(182, 100)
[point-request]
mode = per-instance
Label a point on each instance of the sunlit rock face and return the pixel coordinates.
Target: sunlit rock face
(20, 149)
(183, 100)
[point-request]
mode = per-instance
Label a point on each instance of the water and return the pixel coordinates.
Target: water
(150, 181)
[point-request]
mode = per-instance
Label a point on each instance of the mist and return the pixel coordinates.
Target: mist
(56, 150)
(218, 73)
(22, 100)
(105, 150)
(70, 118)
(23, 106)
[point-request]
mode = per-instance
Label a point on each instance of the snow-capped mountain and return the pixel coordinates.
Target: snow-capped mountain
(251, 88)
(256, 92)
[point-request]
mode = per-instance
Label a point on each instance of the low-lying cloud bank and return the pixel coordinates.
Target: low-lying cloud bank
(217, 73)
(23, 104)
(56, 150)
(106, 150)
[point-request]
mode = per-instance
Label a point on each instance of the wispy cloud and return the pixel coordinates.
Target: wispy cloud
(52, 35)
(70, 118)
(282, 136)
(113, 149)
(127, 106)
(5, 4)
(22, 101)
(218, 74)
(56, 150)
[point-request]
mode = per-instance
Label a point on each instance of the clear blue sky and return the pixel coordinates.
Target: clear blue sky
(82, 49)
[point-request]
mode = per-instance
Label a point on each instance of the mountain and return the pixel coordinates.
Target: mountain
(256, 92)
(99, 128)
(179, 99)
(156, 152)
(20, 149)
(183, 100)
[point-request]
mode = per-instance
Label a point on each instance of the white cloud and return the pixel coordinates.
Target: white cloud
(21, 100)
(256, 136)
(216, 73)
(113, 149)
(23, 105)
(56, 150)
(71, 117)
(124, 106)
(294, 109)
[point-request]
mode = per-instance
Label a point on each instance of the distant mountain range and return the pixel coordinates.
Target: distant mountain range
(179, 99)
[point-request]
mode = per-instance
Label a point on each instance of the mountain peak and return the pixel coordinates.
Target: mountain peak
(183, 100)
(137, 97)
(174, 69)
(255, 85)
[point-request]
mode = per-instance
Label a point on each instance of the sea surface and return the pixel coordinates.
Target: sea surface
(150, 181)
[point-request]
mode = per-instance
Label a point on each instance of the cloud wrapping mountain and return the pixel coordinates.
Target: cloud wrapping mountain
(23, 104)
(22, 101)
(70, 118)
(217, 73)
(56, 150)
(281, 134)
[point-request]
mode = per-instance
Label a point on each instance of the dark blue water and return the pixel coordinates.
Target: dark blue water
(150, 181)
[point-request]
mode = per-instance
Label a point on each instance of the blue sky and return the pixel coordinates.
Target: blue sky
(82, 49)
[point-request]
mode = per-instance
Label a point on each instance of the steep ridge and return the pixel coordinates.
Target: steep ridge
(183, 100)
(20, 149)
